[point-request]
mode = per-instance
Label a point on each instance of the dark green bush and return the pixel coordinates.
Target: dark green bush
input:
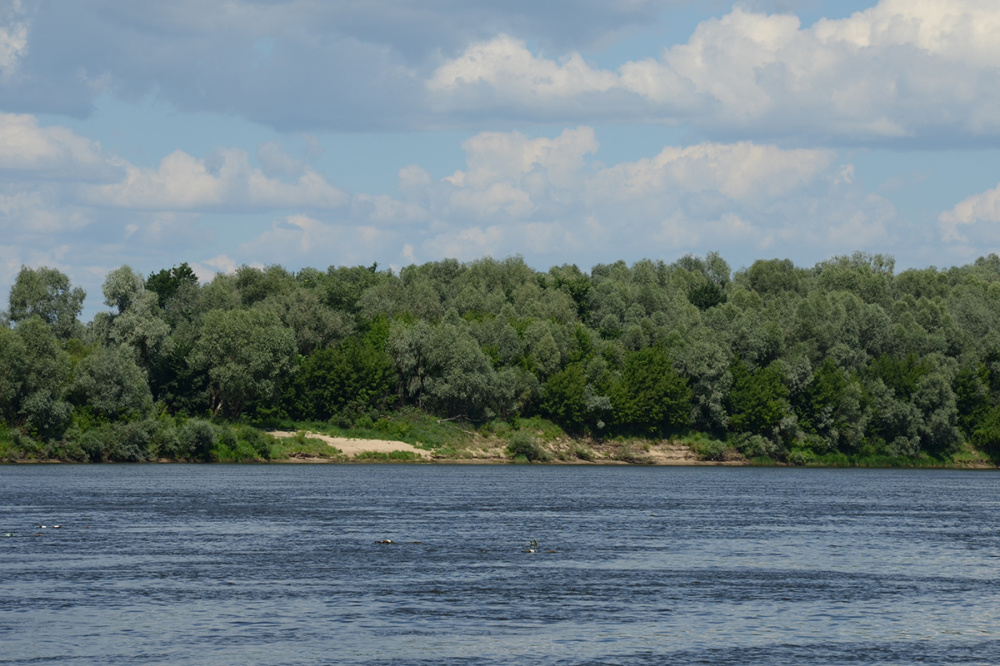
(523, 444)
(712, 449)
(197, 439)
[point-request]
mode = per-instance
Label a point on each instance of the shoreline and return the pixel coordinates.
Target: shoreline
(298, 447)
(317, 460)
(353, 450)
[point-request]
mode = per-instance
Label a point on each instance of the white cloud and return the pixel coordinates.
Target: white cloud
(50, 152)
(383, 209)
(549, 200)
(511, 155)
(743, 171)
(225, 180)
(209, 268)
(291, 64)
(970, 213)
(916, 69)
(504, 63)
(413, 177)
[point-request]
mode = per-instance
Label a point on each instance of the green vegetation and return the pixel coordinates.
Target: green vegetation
(524, 448)
(844, 363)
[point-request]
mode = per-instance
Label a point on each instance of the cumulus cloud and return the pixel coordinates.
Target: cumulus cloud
(742, 171)
(292, 65)
(917, 70)
(977, 214)
(550, 200)
(33, 152)
(226, 180)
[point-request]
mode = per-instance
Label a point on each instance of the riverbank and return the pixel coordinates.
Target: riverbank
(487, 451)
(420, 438)
(318, 448)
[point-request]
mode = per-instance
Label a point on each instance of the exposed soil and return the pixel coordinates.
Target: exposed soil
(352, 447)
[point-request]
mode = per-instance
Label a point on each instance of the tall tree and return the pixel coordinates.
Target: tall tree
(651, 396)
(47, 294)
(167, 282)
(245, 353)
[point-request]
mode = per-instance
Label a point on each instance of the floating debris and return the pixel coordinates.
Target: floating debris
(386, 541)
(7, 535)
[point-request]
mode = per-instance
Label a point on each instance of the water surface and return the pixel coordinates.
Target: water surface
(278, 564)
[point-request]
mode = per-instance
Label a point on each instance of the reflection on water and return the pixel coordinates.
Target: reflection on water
(279, 564)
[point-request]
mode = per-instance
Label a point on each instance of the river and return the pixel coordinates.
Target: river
(279, 564)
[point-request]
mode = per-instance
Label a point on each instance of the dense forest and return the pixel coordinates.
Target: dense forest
(843, 361)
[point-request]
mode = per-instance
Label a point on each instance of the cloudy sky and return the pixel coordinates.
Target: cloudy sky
(311, 133)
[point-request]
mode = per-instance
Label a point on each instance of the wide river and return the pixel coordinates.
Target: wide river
(279, 564)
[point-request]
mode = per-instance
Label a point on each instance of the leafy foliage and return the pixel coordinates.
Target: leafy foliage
(168, 282)
(47, 294)
(245, 354)
(758, 401)
(355, 376)
(651, 396)
(841, 362)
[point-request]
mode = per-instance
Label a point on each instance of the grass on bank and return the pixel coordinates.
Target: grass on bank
(526, 440)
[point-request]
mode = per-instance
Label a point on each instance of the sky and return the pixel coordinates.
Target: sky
(310, 133)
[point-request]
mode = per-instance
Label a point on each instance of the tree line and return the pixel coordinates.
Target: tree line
(847, 358)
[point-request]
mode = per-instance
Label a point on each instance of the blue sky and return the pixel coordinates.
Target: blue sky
(571, 131)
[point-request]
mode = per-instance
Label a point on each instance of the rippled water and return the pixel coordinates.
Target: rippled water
(279, 564)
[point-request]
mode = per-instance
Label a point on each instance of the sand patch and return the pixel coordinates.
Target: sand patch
(351, 447)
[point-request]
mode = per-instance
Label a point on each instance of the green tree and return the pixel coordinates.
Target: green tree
(41, 406)
(574, 283)
(354, 376)
(972, 396)
(167, 282)
(816, 406)
(773, 276)
(344, 286)
(650, 395)
(986, 436)
(245, 353)
(137, 323)
(758, 400)
(461, 380)
(408, 347)
(13, 368)
(565, 397)
(256, 284)
(47, 294)
(314, 324)
(705, 362)
(112, 385)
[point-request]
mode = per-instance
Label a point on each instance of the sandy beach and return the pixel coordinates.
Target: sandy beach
(352, 447)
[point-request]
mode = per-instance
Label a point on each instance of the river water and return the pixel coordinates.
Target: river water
(278, 564)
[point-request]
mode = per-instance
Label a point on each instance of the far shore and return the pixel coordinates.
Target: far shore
(664, 454)
(480, 451)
